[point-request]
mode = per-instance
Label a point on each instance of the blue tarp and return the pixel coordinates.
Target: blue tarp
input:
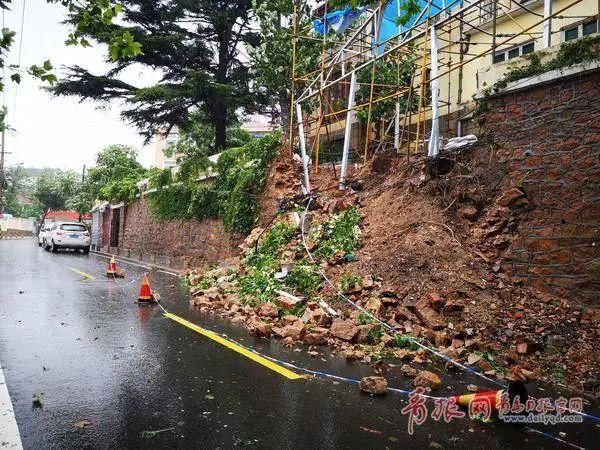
(337, 21)
(389, 27)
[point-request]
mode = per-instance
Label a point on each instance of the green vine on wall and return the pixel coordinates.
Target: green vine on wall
(233, 195)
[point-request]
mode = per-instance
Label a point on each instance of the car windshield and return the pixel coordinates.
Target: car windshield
(72, 227)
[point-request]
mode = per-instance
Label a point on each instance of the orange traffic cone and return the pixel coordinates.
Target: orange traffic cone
(111, 270)
(491, 398)
(145, 291)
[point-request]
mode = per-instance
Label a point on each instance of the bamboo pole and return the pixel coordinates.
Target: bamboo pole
(422, 87)
(375, 49)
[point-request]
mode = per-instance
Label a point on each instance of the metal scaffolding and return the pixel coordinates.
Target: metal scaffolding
(346, 87)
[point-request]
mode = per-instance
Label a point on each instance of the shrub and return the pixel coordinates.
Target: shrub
(340, 233)
(348, 281)
(304, 278)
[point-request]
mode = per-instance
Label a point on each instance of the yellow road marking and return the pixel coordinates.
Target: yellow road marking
(83, 274)
(235, 347)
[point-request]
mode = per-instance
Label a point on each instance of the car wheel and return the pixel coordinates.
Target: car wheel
(53, 247)
(86, 250)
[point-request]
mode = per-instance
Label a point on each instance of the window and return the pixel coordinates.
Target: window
(582, 29)
(514, 52)
(527, 48)
(499, 57)
(73, 227)
(590, 27)
(571, 33)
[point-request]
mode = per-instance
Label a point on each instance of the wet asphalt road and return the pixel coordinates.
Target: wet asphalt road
(97, 356)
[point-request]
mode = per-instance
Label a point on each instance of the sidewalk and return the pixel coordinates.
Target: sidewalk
(136, 262)
(9, 431)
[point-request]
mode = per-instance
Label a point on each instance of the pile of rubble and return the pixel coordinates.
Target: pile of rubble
(438, 284)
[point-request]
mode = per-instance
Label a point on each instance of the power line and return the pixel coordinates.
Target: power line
(19, 57)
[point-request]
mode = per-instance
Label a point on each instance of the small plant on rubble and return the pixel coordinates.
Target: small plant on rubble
(405, 341)
(364, 319)
(340, 233)
(374, 335)
(259, 283)
(304, 278)
(349, 281)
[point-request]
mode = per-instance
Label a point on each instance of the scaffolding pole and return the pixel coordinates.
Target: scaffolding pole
(303, 148)
(434, 139)
(347, 131)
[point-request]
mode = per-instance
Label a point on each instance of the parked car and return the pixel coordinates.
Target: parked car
(44, 229)
(68, 235)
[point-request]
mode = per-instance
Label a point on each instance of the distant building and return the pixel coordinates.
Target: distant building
(258, 126)
(163, 141)
(66, 216)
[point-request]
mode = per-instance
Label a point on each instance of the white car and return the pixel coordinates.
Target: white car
(68, 235)
(43, 232)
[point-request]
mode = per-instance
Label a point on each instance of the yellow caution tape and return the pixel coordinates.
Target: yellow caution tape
(83, 274)
(233, 346)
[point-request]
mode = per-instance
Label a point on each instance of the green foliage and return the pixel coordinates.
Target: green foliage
(115, 176)
(304, 278)
(194, 45)
(53, 190)
(272, 58)
(374, 335)
(405, 341)
(240, 181)
(364, 319)
(233, 195)
(389, 75)
(258, 284)
(349, 281)
(340, 233)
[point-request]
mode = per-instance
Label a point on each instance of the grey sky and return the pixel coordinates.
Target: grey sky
(51, 131)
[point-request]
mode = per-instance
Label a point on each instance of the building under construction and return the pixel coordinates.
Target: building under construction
(388, 82)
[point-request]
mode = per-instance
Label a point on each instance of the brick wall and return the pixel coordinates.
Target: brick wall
(178, 244)
(549, 136)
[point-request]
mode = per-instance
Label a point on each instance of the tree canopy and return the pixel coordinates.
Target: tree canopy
(194, 45)
(115, 175)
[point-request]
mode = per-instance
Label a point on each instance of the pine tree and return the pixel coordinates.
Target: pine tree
(194, 45)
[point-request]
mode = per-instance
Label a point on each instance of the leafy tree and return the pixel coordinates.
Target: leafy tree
(195, 46)
(86, 16)
(52, 190)
(272, 59)
(114, 178)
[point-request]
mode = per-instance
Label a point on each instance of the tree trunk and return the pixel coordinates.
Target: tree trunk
(46, 211)
(284, 108)
(220, 128)
(220, 107)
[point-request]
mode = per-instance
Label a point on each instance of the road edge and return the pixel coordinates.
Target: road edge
(138, 263)
(9, 430)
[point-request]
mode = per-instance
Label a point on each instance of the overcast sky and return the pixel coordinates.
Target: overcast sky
(52, 131)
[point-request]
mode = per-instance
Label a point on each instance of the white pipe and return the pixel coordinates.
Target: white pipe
(547, 35)
(347, 131)
(303, 148)
(397, 128)
(434, 140)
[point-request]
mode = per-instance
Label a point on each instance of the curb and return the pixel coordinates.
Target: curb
(136, 262)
